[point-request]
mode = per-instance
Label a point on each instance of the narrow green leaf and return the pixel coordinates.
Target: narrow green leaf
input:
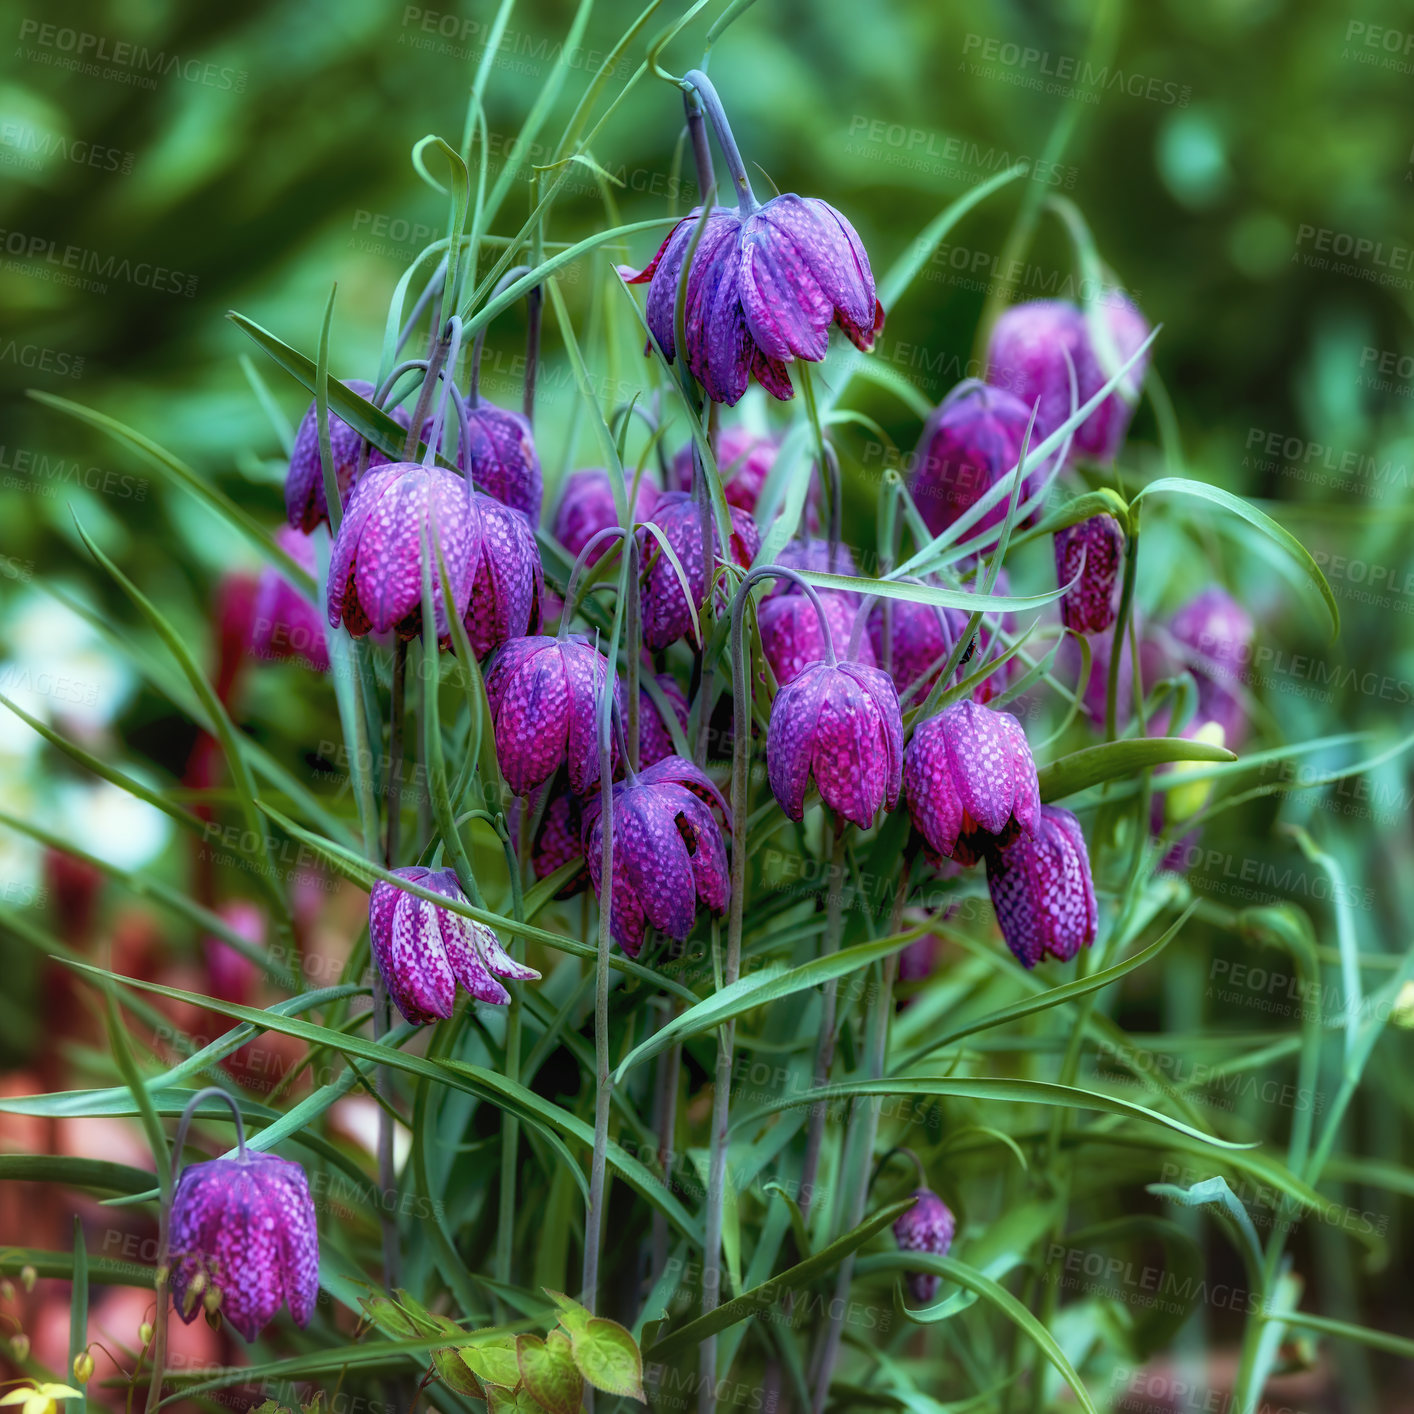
(1093, 764)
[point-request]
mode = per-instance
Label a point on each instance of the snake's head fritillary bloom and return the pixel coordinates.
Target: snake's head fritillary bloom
(669, 854)
(544, 694)
(840, 724)
(667, 614)
(928, 1226)
(423, 951)
(791, 636)
(1027, 356)
(971, 781)
(912, 640)
(230, 974)
(655, 740)
(587, 507)
(509, 582)
(1098, 545)
(305, 506)
(1042, 890)
(244, 1229)
(395, 517)
(285, 622)
(971, 441)
(761, 291)
(498, 453)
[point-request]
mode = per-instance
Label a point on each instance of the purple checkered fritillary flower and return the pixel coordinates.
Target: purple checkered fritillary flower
(1098, 543)
(509, 585)
(971, 781)
(423, 951)
(497, 452)
(1042, 890)
(243, 1232)
(587, 507)
(668, 851)
(395, 517)
(284, 621)
(928, 1226)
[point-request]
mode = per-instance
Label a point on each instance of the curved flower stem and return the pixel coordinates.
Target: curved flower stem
(863, 1131)
(825, 1050)
(701, 149)
(164, 1235)
(436, 359)
(707, 95)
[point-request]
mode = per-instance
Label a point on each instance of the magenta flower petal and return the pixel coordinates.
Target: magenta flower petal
(305, 506)
(1042, 890)
(1098, 544)
(499, 456)
(928, 1226)
(510, 581)
(791, 637)
(587, 507)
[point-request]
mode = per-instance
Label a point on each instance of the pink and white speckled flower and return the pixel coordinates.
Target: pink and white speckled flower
(587, 507)
(423, 951)
(1042, 890)
(1099, 542)
(510, 581)
(763, 289)
(928, 1226)
(669, 853)
(791, 636)
(284, 621)
(971, 781)
(246, 1227)
(840, 723)
(655, 741)
(544, 694)
(918, 638)
(394, 517)
(667, 615)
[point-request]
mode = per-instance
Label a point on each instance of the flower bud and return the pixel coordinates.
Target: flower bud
(19, 1347)
(83, 1367)
(928, 1226)
(144, 1334)
(28, 1276)
(1096, 544)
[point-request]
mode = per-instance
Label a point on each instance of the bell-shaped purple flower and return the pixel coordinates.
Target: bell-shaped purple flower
(655, 741)
(1042, 890)
(744, 461)
(423, 951)
(667, 614)
(791, 636)
(971, 441)
(919, 638)
(284, 622)
(1026, 356)
(840, 723)
(811, 556)
(544, 694)
(245, 1228)
(498, 453)
(928, 1226)
(587, 507)
(761, 291)
(395, 517)
(668, 850)
(305, 506)
(509, 582)
(1098, 544)
(971, 781)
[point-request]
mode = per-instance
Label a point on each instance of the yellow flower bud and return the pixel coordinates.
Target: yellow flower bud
(83, 1367)
(19, 1347)
(28, 1276)
(144, 1334)
(1184, 802)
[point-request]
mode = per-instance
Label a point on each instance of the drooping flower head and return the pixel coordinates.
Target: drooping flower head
(587, 507)
(230, 974)
(423, 951)
(1042, 890)
(497, 452)
(509, 582)
(1098, 544)
(972, 441)
(305, 505)
(1027, 356)
(543, 694)
(744, 461)
(284, 621)
(395, 517)
(840, 724)
(558, 841)
(1214, 634)
(668, 851)
(971, 781)
(243, 1233)
(812, 556)
(928, 1226)
(667, 614)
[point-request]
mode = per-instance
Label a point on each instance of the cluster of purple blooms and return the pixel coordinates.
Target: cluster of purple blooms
(762, 289)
